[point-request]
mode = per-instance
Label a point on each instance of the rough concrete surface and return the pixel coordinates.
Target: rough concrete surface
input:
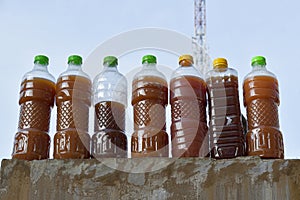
(247, 178)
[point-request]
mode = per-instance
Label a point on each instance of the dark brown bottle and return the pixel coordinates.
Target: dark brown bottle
(149, 99)
(32, 141)
(188, 108)
(225, 125)
(110, 101)
(73, 99)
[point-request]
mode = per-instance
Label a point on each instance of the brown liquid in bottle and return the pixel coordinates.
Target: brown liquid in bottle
(149, 99)
(226, 131)
(261, 97)
(188, 108)
(73, 101)
(109, 140)
(32, 141)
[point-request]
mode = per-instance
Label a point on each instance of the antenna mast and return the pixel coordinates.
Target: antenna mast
(201, 57)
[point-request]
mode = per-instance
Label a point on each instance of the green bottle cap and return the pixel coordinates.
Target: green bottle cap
(41, 59)
(75, 60)
(258, 60)
(110, 61)
(149, 59)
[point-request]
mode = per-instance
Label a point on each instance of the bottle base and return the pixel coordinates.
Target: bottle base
(226, 145)
(71, 144)
(109, 144)
(31, 145)
(227, 152)
(149, 143)
(189, 139)
(265, 142)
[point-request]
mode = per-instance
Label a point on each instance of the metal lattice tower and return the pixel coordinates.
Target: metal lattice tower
(201, 57)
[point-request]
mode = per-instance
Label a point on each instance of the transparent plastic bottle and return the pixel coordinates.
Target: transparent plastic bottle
(73, 99)
(149, 100)
(37, 92)
(226, 137)
(110, 101)
(261, 98)
(188, 108)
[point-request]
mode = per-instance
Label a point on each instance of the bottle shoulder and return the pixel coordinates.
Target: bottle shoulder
(262, 72)
(78, 80)
(186, 71)
(110, 86)
(110, 76)
(138, 81)
(152, 72)
(79, 73)
(39, 74)
(221, 73)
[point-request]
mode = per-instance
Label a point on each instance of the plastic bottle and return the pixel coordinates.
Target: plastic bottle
(149, 100)
(225, 125)
(188, 108)
(261, 98)
(110, 101)
(37, 93)
(73, 99)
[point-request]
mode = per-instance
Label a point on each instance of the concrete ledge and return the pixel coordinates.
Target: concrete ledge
(248, 178)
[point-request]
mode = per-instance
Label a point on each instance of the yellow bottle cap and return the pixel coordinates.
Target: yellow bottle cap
(220, 63)
(186, 57)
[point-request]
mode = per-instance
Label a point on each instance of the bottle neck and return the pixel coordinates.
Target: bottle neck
(258, 67)
(72, 67)
(149, 66)
(220, 68)
(110, 68)
(39, 67)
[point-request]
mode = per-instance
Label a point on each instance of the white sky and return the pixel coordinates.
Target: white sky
(237, 30)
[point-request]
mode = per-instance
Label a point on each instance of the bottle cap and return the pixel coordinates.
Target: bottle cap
(149, 59)
(41, 59)
(187, 58)
(219, 63)
(258, 60)
(111, 61)
(75, 59)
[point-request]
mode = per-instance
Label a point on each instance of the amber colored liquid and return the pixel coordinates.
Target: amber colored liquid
(261, 97)
(73, 101)
(149, 99)
(225, 131)
(188, 108)
(109, 140)
(32, 141)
